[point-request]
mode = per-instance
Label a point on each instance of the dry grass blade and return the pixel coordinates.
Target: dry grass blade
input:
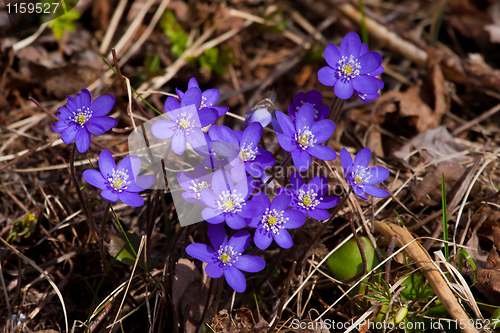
(422, 259)
(35, 266)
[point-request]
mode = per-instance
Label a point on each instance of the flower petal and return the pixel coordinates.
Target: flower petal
(323, 130)
(305, 117)
(163, 129)
(212, 215)
(301, 159)
(369, 62)
(68, 135)
(207, 117)
(296, 181)
(235, 278)
(235, 222)
(102, 105)
(61, 125)
(377, 175)
(375, 191)
(283, 239)
(179, 142)
(106, 163)
(365, 84)
(287, 143)
(360, 192)
(350, 45)
(85, 97)
(250, 263)
(322, 152)
(363, 158)
(240, 241)
(94, 178)
(251, 135)
(82, 140)
(198, 139)
(262, 238)
(209, 197)
(332, 55)
(281, 202)
(210, 97)
(100, 125)
(172, 104)
(192, 96)
(345, 159)
(217, 235)
(327, 76)
(221, 110)
(251, 209)
(343, 89)
(296, 218)
(328, 202)
(201, 252)
(319, 214)
(109, 195)
(131, 199)
(214, 270)
(318, 184)
(286, 124)
(193, 83)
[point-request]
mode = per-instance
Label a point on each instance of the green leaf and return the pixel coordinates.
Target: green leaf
(462, 254)
(346, 262)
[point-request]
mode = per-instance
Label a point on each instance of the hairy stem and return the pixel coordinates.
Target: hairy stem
(104, 262)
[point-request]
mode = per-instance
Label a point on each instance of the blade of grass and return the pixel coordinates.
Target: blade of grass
(445, 219)
(135, 91)
(461, 254)
(364, 31)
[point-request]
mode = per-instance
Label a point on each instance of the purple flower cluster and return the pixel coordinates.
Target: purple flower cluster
(228, 183)
(351, 68)
(81, 116)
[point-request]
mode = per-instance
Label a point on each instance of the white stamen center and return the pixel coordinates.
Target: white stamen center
(361, 175)
(81, 116)
(307, 200)
(118, 180)
(227, 256)
(184, 122)
(230, 202)
(247, 154)
(203, 103)
(273, 221)
(348, 68)
(305, 138)
(197, 187)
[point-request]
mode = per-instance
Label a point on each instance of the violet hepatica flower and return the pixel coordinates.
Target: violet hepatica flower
(119, 182)
(209, 98)
(365, 98)
(275, 221)
(229, 202)
(360, 176)
(194, 183)
(312, 97)
(303, 137)
(81, 116)
(185, 122)
(348, 70)
(226, 257)
(310, 198)
(242, 151)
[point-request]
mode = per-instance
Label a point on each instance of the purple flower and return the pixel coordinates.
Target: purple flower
(209, 98)
(309, 198)
(81, 117)
(360, 176)
(366, 97)
(242, 151)
(227, 258)
(119, 183)
(262, 116)
(348, 69)
(193, 184)
(272, 224)
(186, 122)
(312, 97)
(303, 138)
(228, 202)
